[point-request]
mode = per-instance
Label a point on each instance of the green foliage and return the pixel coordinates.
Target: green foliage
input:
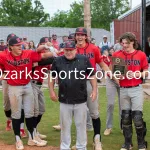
(102, 13)
(51, 117)
(22, 13)
(72, 18)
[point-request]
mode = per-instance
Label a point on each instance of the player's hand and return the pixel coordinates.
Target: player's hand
(49, 44)
(53, 96)
(35, 64)
(130, 75)
(93, 95)
(119, 77)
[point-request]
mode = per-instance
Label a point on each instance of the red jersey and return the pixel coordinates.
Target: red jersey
(106, 60)
(55, 44)
(135, 61)
(19, 68)
(92, 52)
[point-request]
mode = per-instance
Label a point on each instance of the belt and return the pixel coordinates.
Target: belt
(36, 82)
(129, 86)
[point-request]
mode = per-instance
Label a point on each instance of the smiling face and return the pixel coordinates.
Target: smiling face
(127, 45)
(16, 49)
(81, 39)
(70, 53)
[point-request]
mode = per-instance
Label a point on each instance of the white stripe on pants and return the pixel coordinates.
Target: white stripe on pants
(79, 111)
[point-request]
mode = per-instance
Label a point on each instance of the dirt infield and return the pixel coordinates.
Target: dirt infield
(12, 147)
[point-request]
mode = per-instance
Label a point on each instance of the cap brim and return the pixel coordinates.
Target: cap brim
(70, 48)
(81, 33)
(18, 44)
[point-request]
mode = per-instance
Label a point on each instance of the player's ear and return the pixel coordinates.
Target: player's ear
(10, 48)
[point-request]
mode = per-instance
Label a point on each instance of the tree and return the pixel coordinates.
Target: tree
(104, 11)
(22, 13)
(72, 18)
(60, 19)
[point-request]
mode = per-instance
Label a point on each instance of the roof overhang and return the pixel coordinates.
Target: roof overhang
(133, 10)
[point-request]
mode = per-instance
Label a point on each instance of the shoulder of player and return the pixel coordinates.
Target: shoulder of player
(58, 59)
(93, 47)
(117, 53)
(28, 51)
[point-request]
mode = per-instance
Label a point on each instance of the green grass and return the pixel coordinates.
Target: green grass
(51, 117)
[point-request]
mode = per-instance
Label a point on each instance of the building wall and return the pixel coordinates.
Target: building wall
(35, 33)
(130, 23)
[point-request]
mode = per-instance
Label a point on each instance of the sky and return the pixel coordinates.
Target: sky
(52, 6)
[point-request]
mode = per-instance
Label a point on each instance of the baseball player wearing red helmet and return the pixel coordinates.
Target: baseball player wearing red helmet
(93, 53)
(18, 64)
(131, 92)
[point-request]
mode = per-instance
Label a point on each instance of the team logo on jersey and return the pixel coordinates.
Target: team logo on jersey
(133, 62)
(19, 62)
(89, 55)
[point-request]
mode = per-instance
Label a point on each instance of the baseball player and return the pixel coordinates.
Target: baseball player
(93, 53)
(6, 101)
(131, 92)
(19, 89)
(72, 94)
(39, 102)
(112, 88)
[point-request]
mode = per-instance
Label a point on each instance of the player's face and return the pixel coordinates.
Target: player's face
(127, 46)
(70, 54)
(16, 50)
(81, 39)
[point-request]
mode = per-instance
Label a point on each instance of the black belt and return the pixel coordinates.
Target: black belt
(129, 86)
(36, 82)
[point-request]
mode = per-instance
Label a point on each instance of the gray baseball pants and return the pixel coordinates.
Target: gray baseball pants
(111, 89)
(79, 112)
(132, 98)
(93, 106)
(21, 95)
(39, 101)
(6, 101)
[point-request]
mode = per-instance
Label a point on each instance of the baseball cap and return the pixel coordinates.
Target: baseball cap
(15, 41)
(71, 36)
(24, 38)
(10, 36)
(70, 45)
(54, 35)
(1, 41)
(81, 30)
(44, 40)
(104, 36)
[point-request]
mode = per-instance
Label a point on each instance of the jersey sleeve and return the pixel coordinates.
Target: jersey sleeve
(98, 57)
(144, 62)
(35, 56)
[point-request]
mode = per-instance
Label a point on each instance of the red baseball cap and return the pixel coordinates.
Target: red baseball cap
(14, 41)
(70, 45)
(81, 30)
(10, 36)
